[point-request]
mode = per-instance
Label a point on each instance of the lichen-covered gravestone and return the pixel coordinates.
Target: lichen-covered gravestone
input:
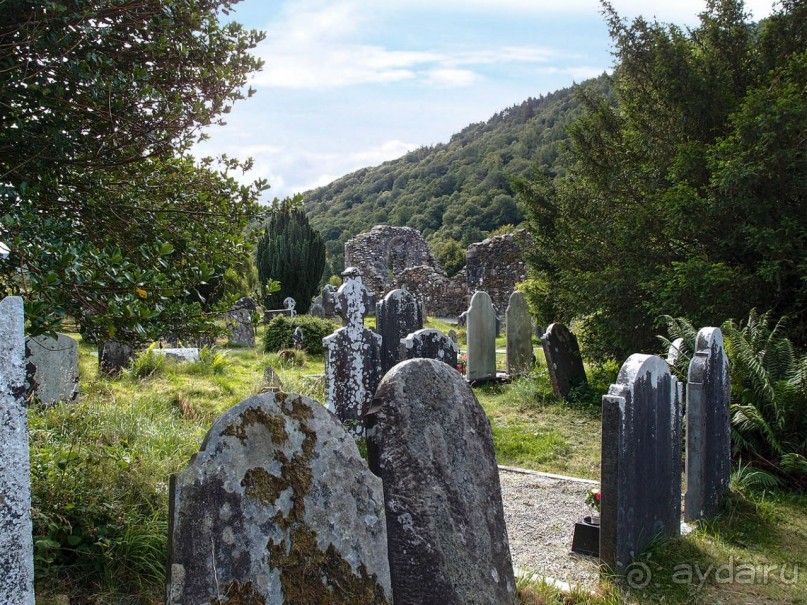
(180, 354)
(16, 545)
(277, 508)
(51, 369)
(397, 315)
(708, 427)
(352, 355)
(430, 442)
(240, 327)
(563, 359)
(481, 338)
(429, 344)
(113, 356)
(641, 460)
(520, 359)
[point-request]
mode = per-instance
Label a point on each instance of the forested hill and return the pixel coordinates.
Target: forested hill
(454, 193)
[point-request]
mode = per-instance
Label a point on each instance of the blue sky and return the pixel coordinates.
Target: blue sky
(353, 83)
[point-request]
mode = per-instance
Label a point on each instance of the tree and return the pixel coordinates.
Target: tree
(107, 217)
(686, 195)
(290, 252)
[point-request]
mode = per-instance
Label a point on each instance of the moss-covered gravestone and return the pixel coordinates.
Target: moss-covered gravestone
(429, 344)
(278, 507)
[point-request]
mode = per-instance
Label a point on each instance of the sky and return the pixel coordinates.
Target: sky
(353, 83)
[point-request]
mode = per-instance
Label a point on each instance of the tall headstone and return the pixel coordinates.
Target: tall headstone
(51, 369)
(397, 315)
(429, 344)
(481, 338)
(113, 356)
(352, 355)
(431, 444)
(708, 427)
(16, 544)
(278, 507)
(641, 460)
(563, 359)
(520, 359)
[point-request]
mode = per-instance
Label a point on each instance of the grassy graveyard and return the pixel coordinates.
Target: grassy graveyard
(100, 469)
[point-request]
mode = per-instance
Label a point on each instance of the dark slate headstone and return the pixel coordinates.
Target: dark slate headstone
(277, 507)
(352, 356)
(641, 460)
(329, 300)
(429, 344)
(51, 369)
(240, 328)
(317, 310)
(708, 427)
(520, 358)
(397, 315)
(431, 444)
(16, 544)
(481, 338)
(114, 356)
(563, 359)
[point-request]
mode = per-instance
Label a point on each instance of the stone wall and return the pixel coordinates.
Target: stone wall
(496, 265)
(443, 296)
(384, 252)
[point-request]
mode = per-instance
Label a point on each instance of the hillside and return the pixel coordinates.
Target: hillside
(454, 193)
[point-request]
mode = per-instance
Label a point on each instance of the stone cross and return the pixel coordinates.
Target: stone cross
(397, 315)
(289, 303)
(429, 344)
(481, 338)
(563, 359)
(430, 442)
(520, 359)
(641, 460)
(277, 507)
(708, 427)
(16, 544)
(352, 356)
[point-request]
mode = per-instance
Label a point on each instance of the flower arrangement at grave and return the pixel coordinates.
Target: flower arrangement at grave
(593, 498)
(462, 361)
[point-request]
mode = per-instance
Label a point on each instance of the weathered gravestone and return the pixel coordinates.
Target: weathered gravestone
(180, 355)
(271, 379)
(708, 427)
(430, 442)
(674, 351)
(481, 338)
(277, 508)
(641, 460)
(429, 344)
(563, 359)
(113, 356)
(51, 369)
(329, 300)
(397, 315)
(452, 334)
(520, 359)
(16, 545)
(297, 338)
(239, 324)
(462, 319)
(352, 355)
(289, 304)
(317, 310)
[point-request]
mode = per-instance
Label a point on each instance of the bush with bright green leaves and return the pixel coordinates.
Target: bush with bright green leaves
(280, 332)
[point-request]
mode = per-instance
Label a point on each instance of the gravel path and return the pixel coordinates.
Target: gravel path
(540, 513)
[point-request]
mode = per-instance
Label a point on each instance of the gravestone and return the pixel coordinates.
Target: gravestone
(539, 331)
(481, 338)
(352, 356)
(317, 310)
(429, 344)
(452, 334)
(329, 300)
(297, 338)
(708, 427)
(271, 379)
(113, 356)
(430, 442)
(245, 302)
(16, 544)
(51, 369)
(277, 507)
(641, 460)
(563, 359)
(179, 354)
(462, 319)
(239, 325)
(674, 352)
(397, 315)
(520, 359)
(289, 304)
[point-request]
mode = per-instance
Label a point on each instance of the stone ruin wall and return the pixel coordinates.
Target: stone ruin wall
(398, 257)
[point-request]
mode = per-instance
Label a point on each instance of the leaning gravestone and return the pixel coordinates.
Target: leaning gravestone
(277, 508)
(429, 344)
(708, 427)
(352, 355)
(641, 460)
(51, 369)
(16, 544)
(520, 359)
(563, 359)
(481, 338)
(113, 356)
(397, 315)
(431, 444)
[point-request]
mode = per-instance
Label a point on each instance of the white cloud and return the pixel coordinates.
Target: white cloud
(450, 78)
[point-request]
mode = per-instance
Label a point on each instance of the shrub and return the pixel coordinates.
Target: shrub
(280, 330)
(147, 364)
(211, 361)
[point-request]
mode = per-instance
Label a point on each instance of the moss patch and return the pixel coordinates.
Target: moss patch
(262, 486)
(239, 595)
(276, 425)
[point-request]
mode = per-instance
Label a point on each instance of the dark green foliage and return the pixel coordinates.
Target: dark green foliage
(280, 330)
(687, 195)
(292, 253)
